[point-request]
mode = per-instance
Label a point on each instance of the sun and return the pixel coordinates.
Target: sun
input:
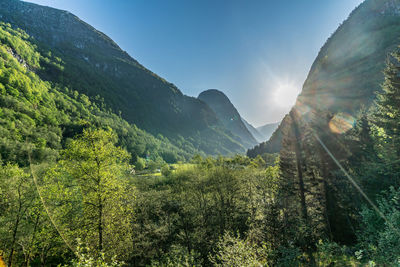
(285, 94)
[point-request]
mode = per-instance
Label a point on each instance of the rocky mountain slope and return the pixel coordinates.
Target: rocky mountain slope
(228, 115)
(256, 134)
(348, 68)
(94, 65)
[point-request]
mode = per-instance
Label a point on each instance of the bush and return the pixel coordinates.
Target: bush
(140, 164)
(84, 259)
(233, 251)
(330, 253)
(380, 238)
(178, 257)
(165, 170)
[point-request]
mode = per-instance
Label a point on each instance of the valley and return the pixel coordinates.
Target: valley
(105, 163)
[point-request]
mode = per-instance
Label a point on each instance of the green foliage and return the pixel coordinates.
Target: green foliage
(40, 116)
(140, 164)
(153, 165)
(193, 206)
(232, 251)
(320, 202)
(85, 195)
(85, 260)
(289, 256)
(330, 253)
(81, 58)
(278, 208)
(228, 116)
(17, 207)
(178, 256)
(90, 182)
(380, 238)
(165, 170)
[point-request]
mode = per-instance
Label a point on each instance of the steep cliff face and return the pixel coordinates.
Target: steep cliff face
(348, 69)
(94, 65)
(228, 115)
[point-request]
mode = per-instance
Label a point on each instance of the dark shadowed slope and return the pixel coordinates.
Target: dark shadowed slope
(228, 115)
(94, 65)
(256, 134)
(40, 117)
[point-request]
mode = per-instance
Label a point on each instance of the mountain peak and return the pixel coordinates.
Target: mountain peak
(213, 93)
(348, 69)
(228, 115)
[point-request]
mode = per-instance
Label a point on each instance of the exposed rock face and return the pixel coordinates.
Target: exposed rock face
(228, 115)
(18, 58)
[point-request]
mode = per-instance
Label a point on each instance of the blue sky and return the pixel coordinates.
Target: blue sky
(258, 52)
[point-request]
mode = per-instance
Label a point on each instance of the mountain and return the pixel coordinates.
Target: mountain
(94, 65)
(268, 129)
(257, 135)
(348, 68)
(228, 115)
(39, 117)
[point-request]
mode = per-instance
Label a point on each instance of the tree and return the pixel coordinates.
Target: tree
(97, 167)
(235, 252)
(16, 198)
(386, 121)
(387, 114)
(291, 194)
(140, 164)
(380, 238)
(165, 170)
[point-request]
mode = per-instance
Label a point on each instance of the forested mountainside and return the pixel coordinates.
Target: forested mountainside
(80, 186)
(257, 135)
(41, 116)
(273, 143)
(348, 68)
(228, 115)
(95, 66)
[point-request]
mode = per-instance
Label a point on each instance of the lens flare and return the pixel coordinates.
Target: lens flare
(378, 211)
(341, 123)
(285, 94)
(302, 108)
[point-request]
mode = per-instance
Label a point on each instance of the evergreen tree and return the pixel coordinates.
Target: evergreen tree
(386, 119)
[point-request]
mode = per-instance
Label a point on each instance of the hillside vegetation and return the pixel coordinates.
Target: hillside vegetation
(40, 116)
(89, 208)
(81, 186)
(228, 116)
(95, 66)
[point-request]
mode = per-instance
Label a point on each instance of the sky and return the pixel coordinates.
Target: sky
(258, 52)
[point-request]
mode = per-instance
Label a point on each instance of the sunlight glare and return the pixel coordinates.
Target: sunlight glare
(285, 94)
